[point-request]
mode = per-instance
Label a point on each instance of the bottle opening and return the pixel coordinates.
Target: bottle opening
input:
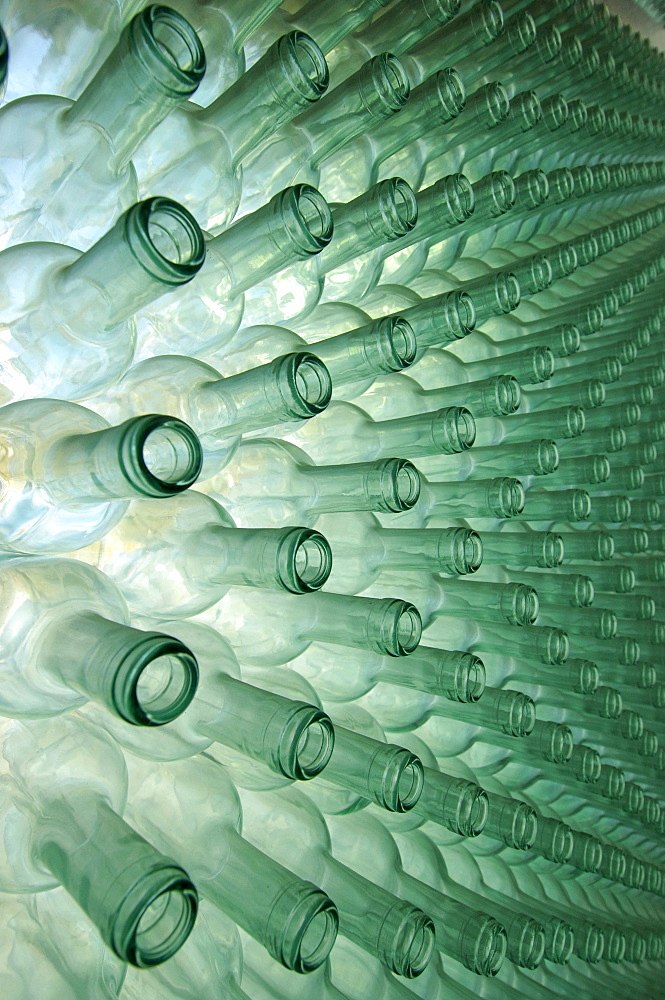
(309, 73)
(403, 344)
(560, 748)
(607, 624)
(315, 747)
(171, 454)
(470, 677)
(526, 943)
(311, 221)
(559, 941)
(552, 550)
(557, 646)
(161, 686)
(318, 938)
(400, 485)
(155, 918)
(588, 678)
(165, 239)
(312, 383)
(312, 562)
(410, 785)
(498, 104)
(417, 949)
(174, 42)
(519, 604)
(474, 816)
(575, 421)
(451, 91)
(472, 555)
(465, 311)
(399, 207)
(397, 80)
(170, 48)
(506, 497)
(408, 629)
(508, 394)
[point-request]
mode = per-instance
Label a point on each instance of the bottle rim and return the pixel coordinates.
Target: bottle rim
(165, 240)
(159, 455)
(155, 681)
(169, 47)
(163, 899)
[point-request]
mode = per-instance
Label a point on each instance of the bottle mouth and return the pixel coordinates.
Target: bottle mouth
(584, 590)
(575, 422)
(155, 917)
(454, 430)
(537, 190)
(543, 364)
(526, 942)
(170, 49)
(647, 677)
(304, 560)
(450, 92)
(588, 677)
(497, 106)
(401, 628)
(614, 782)
(523, 32)
(559, 941)
(306, 217)
(519, 826)
(549, 42)
(556, 646)
(530, 109)
(607, 624)
(555, 112)
(469, 678)
(559, 748)
(387, 87)
(399, 485)
(165, 239)
(483, 944)
(406, 940)
(506, 395)
(610, 702)
(516, 714)
(492, 20)
(519, 604)
(155, 682)
(459, 313)
(503, 195)
(400, 778)
(467, 551)
(589, 943)
(398, 208)
(587, 764)
(304, 383)
(458, 196)
(397, 343)
(304, 64)
(552, 553)
(562, 183)
(555, 840)
(506, 497)
(305, 922)
(159, 455)
(507, 292)
(306, 743)
(469, 813)
(634, 798)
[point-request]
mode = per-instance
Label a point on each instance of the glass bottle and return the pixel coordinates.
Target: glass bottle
(295, 152)
(68, 476)
(74, 642)
(495, 498)
(178, 559)
(290, 388)
(85, 146)
(527, 458)
(379, 215)
(564, 423)
(294, 919)
(269, 482)
(65, 792)
(295, 224)
(195, 156)
(392, 929)
(523, 550)
(69, 315)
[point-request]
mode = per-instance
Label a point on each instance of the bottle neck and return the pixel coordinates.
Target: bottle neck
(290, 737)
(286, 916)
(295, 224)
(509, 602)
(384, 213)
(495, 396)
(406, 25)
(441, 207)
(147, 456)
(377, 90)
(157, 64)
(565, 422)
(388, 626)
(441, 432)
(450, 674)
(154, 246)
(294, 559)
(143, 904)
(289, 77)
(510, 821)
(292, 387)
(454, 551)
(440, 320)
(247, 18)
(386, 345)
(387, 775)
(467, 34)
(389, 485)
(537, 643)
(332, 22)
(501, 711)
(501, 497)
(145, 678)
(513, 548)
(459, 805)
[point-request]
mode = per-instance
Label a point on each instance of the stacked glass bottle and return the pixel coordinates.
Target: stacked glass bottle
(433, 277)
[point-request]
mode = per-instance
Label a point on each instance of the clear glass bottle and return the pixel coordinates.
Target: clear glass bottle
(74, 642)
(85, 146)
(65, 792)
(69, 315)
(68, 476)
(294, 919)
(176, 560)
(195, 155)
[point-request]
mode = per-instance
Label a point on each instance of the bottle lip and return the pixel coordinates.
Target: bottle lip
(406, 940)
(170, 49)
(399, 485)
(303, 560)
(167, 889)
(449, 94)
(385, 85)
(309, 739)
(466, 551)
(165, 239)
(159, 455)
(304, 384)
(400, 629)
(506, 496)
(396, 342)
(303, 214)
(398, 208)
(155, 681)
(483, 944)
(306, 922)
(304, 65)
(453, 429)
(458, 196)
